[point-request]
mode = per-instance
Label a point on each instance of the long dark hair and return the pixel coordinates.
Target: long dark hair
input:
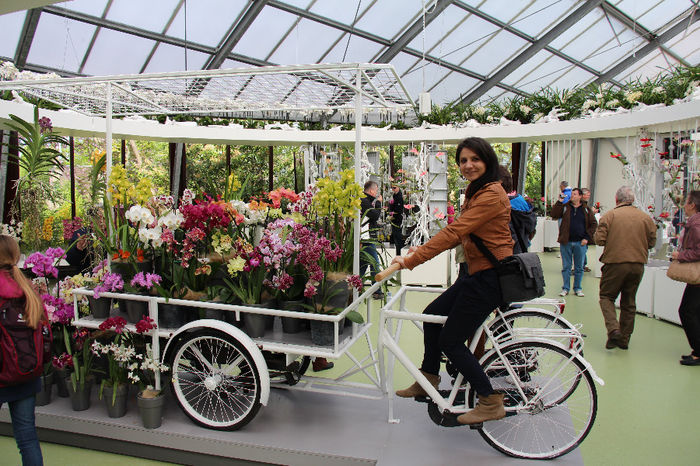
(483, 149)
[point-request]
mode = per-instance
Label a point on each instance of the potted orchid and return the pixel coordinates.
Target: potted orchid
(119, 353)
(80, 380)
(142, 283)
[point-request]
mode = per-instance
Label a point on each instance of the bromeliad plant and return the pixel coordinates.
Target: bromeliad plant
(40, 163)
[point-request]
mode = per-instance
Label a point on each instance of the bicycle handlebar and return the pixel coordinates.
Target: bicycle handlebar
(393, 268)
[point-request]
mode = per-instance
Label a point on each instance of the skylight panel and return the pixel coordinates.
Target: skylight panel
(542, 15)
(415, 82)
(653, 14)
(494, 55)
(305, 43)
(358, 51)
(89, 7)
(452, 87)
(208, 21)
(596, 36)
(378, 22)
(611, 53)
(344, 14)
(106, 59)
(473, 33)
(572, 77)
(544, 73)
(303, 4)
(60, 42)
(527, 68)
(439, 27)
(10, 29)
(151, 16)
(172, 58)
(265, 32)
(403, 62)
(687, 43)
(594, 17)
(649, 67)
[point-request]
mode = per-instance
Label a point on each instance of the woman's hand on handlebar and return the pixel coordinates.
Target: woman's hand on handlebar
(399, 261)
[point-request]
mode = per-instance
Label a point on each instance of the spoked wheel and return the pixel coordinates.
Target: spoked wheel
(533, 319)
(551, 402)
(215, 380)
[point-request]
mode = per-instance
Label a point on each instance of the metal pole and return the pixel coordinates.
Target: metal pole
(358, 149)
(71, 163)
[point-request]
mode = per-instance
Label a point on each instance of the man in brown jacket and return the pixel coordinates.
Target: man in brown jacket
(627, 234)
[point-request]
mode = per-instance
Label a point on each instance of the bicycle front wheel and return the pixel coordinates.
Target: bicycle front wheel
(551, 402)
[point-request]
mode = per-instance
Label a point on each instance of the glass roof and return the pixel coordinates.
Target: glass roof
(558, 43)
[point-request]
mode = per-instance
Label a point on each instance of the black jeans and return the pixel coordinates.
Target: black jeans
(466, 304)
(689, 312)
(397, 238)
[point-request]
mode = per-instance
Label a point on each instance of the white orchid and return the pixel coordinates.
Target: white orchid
(139, 215)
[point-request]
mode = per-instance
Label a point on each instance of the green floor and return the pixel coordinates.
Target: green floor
(648, 409)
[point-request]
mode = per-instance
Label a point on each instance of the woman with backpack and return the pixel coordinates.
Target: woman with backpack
(15, 288)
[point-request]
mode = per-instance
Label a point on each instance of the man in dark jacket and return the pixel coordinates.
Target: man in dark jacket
(523, 220)
(578, 225)
(396, 206)
(371, 209)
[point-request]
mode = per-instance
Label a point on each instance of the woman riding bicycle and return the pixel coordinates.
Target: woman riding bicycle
(467, 303)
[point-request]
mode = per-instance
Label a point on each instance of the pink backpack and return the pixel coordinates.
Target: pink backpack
(23, 350)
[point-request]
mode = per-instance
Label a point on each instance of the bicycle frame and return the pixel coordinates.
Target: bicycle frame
(389, 341)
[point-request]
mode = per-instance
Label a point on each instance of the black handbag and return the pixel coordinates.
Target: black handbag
(520, 275)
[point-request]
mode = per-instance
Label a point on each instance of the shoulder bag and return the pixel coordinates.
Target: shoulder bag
(686, 272)
(520, 275)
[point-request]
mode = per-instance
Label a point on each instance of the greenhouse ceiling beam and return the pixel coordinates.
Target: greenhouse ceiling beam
(517, 32)
(532, 50)
(26, 37)
(630, 23)
(413, 30)
(382, 41)
(154, 36)
(96, 33)
(684, 22)
(216, 60)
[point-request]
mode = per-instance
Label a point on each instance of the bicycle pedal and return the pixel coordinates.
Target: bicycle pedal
(476, 426)
(422, 399)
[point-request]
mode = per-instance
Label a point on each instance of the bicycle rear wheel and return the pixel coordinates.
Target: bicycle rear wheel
(559, 407)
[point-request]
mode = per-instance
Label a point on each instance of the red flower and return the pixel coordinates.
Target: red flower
(646, 145)
(145, 324)
(120, 254)
(663, 153)
(645, 139)
(139, 255)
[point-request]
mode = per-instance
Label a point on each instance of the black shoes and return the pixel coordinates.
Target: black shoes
(378, 295)
(690, 361)
(615, 340)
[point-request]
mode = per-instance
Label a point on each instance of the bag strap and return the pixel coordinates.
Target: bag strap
(484, 250)
(516, 229)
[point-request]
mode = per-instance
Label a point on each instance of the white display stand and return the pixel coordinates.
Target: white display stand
(594, 253)
(645, 292)
(667, 296)
(537, 242)
(551, 233)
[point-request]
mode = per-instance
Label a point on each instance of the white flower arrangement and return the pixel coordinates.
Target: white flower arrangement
(172, 220)
(139, 215)
(12, 229)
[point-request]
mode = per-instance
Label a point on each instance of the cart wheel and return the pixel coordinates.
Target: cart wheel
(215, 380)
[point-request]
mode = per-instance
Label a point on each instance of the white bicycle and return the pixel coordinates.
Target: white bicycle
(550, 394)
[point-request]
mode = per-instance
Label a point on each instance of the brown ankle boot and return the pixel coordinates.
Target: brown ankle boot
(489, 408)
(321, 364)
(416, 390)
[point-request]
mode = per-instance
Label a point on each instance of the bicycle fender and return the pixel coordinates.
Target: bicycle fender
(576, 356)
(243, 338)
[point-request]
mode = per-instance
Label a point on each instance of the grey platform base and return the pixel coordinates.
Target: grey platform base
(296, 428)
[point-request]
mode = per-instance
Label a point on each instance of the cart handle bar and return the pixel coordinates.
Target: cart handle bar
(389, 271)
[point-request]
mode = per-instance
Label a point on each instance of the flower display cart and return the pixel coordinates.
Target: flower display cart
(221, 376)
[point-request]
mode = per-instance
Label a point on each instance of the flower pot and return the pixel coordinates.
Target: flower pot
(216, 314)
(151, 409)
(59, 378)
(171, 315)
(256, 324)
(43, 396)
(292, 324)
(337, 289)
(100, 307)
(322, 333)
(135, 310)
(80, 397)
(116, 404)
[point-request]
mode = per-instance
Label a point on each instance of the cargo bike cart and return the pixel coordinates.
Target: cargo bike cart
(221, 377)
